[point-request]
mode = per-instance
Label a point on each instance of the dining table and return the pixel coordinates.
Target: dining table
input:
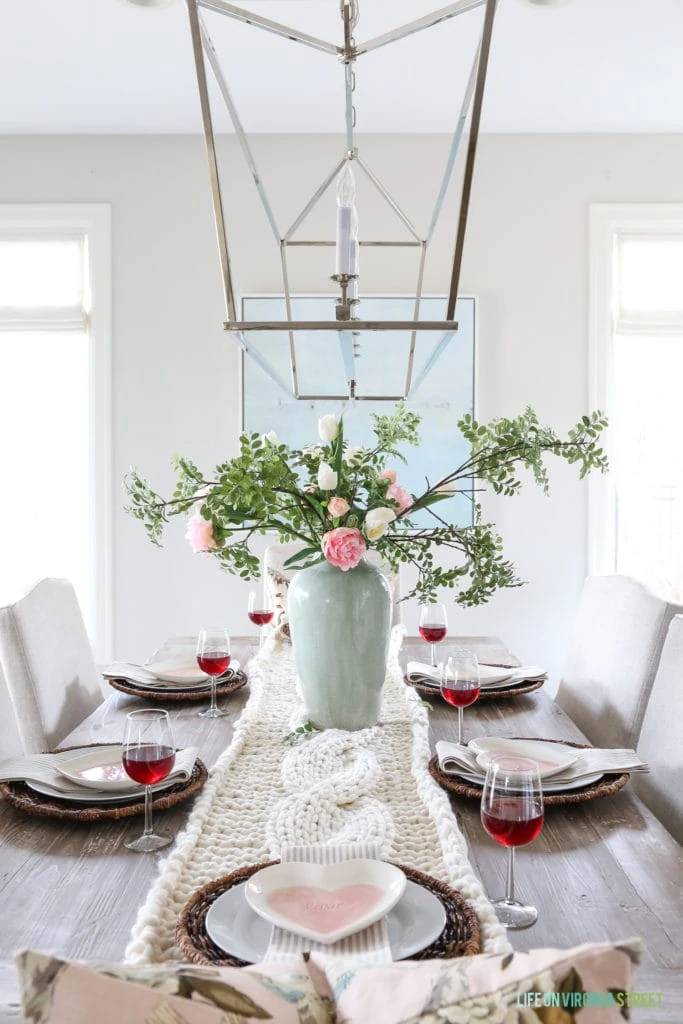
(601, 870)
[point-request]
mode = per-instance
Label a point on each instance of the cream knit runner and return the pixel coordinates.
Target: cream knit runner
(371, 785)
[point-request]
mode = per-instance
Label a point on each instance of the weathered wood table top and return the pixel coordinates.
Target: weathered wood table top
(600, 870)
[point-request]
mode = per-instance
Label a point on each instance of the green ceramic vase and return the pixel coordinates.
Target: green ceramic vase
(340, 624)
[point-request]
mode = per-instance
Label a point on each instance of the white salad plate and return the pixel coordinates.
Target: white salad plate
(551, 758)
(416, 921)
(99, 768)
(167, 685)
(177, 672)
(325, 902)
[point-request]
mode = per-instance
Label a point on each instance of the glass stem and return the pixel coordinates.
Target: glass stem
(460, 739)
(148, 811)
(510, 887)
(260, 638)
(433, 654)
(214, 705)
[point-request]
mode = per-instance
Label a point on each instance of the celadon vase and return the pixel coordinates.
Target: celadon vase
(340, 623)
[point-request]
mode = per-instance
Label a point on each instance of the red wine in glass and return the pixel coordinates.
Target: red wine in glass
(213, 657)
(214, 663)
(148, 763)
(505, 822)
(147, 756)
(433, 626)
(512, 814)
(261, 617)
(461, 698)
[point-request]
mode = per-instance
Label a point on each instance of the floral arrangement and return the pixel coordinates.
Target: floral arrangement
(339, 500)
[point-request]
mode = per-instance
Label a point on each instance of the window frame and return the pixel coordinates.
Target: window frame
(92, 220)
(607, 221)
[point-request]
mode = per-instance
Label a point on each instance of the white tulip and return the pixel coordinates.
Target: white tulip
(271, 437)
(327, 478)
(354, 456)
(328, 427)
(450, 488)
(377, 521)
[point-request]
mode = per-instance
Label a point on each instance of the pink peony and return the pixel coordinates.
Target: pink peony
(400, 495)
(337, 507)
(200, 534)
(343, 547)
(388, 474)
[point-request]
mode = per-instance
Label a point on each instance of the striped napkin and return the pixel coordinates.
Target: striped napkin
(371, 944)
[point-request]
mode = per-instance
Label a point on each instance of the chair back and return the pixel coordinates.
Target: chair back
(10, 740)
(660, 737)
(615, 646)
(48, 664)
(277, 578)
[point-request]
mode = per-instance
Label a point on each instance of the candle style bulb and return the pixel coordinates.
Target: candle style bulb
(347, 224)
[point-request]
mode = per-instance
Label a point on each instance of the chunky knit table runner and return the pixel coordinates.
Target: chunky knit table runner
(338, 787)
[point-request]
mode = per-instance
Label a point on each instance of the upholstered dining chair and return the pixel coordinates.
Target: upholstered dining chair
(615, 647)
(660, 737)
(277, 578)
(10, 740)
(48, 664)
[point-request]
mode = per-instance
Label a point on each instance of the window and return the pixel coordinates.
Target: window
(636, 516)
(54, 404)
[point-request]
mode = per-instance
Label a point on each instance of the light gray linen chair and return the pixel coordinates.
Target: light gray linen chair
(10, 740)
(661, 738)
(277, 578)
(48, 664)
(616, 644)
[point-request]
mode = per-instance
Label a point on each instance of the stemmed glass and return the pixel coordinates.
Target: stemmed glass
(260, 611)
(460, 685)
(213, 657)
(433, 625)
(512, 814)
(148, 755)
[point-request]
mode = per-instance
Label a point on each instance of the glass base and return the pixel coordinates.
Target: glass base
(148, 844)
(212, 713)
(512, 914)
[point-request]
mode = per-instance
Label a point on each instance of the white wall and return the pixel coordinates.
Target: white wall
(175, 383)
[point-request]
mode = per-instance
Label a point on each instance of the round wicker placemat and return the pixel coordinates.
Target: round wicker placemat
(21, 796)
(222, 689)
(460, 936)
(511, 691)
(606, 786)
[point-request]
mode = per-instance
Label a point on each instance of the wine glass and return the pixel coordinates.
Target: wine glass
(213, 657)
(433, 625)
(460, 685)
(148, 755)
(260, 611)
(512, 814)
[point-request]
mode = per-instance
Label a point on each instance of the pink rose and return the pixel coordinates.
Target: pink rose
(200, 534)
(343, 547)
(400, 495)
(337, 507)
(388, 474)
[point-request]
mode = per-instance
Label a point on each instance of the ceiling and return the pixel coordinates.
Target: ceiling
(75, 66)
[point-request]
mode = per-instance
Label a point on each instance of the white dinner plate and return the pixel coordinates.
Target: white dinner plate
(547, 785)
(551, 758)
(92, 796)
(325, 902)
(417, 920)
(158, 685)
(98, 768)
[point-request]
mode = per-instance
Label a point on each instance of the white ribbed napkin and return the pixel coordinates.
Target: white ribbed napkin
(371, 944)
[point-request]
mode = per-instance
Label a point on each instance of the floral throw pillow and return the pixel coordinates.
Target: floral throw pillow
(584, 985)
(56, 991)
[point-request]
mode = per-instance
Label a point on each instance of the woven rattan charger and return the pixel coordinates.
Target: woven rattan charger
(25, 799)
(236, 682)
(460, 936)
(605, 786)
(526, 686)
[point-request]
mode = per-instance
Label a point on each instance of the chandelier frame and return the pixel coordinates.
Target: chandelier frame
(346, 325)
